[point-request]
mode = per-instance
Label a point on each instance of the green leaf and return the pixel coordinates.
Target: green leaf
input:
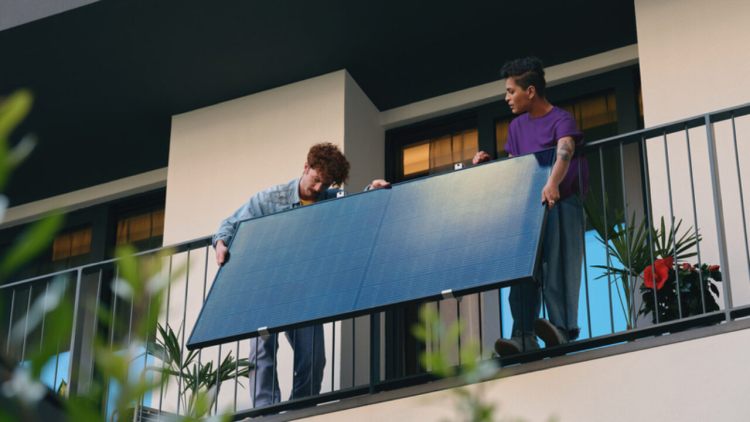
(33, 241)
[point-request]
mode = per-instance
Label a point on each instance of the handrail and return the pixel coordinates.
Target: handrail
(176, 248)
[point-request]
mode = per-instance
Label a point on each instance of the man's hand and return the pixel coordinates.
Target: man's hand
(379, 184)
(222, 252)
(550, 195)
(480, 157)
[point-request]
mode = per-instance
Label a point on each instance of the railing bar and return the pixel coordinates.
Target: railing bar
(57, 365)
(203, 297)
(695, 216)
(114, 309)
(354, 353)
(333, 355)
(713, 162)
(312, 359)
(585, 259)
(10, 321)
(96, 321)
(458, 321)
(218, 382)
(649, 225)
(275, 339)
(145, 355)
(175, 249)
(184, 326)
(236, 370)
(44, 317)
(631, 316)
(606, 240)
(26, 324)
(671, 223)
(481, 338)
(166, 322)
(255, 370)
(74, 329)
(742, 196)
(111, 331)
(130, 320)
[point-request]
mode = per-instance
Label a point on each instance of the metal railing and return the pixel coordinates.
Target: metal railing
(690, 170)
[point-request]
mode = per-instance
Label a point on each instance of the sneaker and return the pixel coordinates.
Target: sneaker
(551, 335)
(516, 345)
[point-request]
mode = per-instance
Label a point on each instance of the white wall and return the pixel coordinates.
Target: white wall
(693, 60)
(693, 56)
(698, 380)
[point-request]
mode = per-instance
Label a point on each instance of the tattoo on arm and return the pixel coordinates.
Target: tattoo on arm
(565, 149)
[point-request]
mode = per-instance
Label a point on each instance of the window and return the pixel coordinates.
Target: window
(440, 153)
(71, 244)
(144, 230)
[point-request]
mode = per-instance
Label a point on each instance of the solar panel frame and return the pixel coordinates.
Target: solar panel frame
(326, 210)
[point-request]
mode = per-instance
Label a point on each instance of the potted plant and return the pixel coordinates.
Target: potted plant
(631, 247)
(696, 285)
(197, 377)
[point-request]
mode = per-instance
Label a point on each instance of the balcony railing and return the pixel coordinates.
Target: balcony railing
(690, 170)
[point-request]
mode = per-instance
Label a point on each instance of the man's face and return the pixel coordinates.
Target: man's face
(312, 183)
(518, 99)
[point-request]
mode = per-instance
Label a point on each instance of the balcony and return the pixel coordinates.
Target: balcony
(688, 172)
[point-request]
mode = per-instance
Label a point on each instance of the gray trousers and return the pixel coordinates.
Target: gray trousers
(562, 255)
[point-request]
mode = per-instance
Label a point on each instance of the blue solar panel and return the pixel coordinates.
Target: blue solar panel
(463, 231)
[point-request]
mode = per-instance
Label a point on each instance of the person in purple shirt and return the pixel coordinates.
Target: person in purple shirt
(539, 126)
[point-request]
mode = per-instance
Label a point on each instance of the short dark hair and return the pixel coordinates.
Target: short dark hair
(526, 72)
(328, 159)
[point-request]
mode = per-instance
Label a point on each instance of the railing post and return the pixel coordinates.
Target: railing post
(72, 358)
(719, 215)
(374, 351)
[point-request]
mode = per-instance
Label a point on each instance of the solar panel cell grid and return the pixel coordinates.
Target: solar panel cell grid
(462, 231)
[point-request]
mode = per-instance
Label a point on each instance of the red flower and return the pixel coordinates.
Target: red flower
(660, 271)
(713, 268)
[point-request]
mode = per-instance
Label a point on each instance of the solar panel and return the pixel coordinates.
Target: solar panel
(462, 232)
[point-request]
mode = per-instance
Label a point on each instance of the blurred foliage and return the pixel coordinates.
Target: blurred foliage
(141, 283)
(472, 405)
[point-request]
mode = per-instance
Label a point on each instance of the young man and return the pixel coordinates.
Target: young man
(539, 126)
(325, 166)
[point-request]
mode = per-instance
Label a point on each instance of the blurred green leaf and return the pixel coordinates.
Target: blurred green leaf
(12, 111)
(33, 241)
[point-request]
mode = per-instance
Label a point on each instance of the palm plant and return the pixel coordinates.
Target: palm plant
(631, 247)
(195, 376)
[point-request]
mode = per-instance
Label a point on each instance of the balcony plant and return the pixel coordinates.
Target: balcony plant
(696, 284)
(195, 376)
(631, 247)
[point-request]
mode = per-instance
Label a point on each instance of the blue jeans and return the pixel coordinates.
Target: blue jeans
(562, 255)
(309, 362)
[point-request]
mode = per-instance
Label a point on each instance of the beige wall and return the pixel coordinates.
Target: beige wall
(220, 155)
(694, 58)
(698, 380)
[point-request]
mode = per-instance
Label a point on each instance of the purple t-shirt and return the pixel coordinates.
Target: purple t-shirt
(528, 134)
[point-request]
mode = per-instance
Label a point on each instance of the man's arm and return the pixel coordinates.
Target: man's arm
(566, 147)
(228, 227)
